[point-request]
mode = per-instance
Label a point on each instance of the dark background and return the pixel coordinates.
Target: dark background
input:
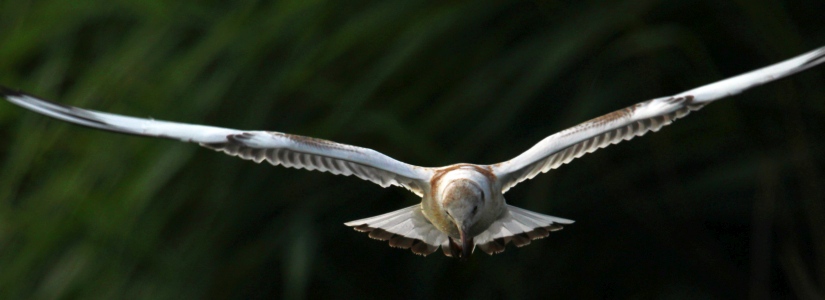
(727, 203)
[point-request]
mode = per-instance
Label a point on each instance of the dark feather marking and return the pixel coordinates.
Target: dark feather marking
(655, 123)
(79, 115)
(380, 234)
(363, 228)
(69, 110)
(282, 156)
(604, 139)
(401, 242)
(448, 251)
(327, 162)
(422, 248)
(293, 157)
(537, 233)
(635, 126)
(9, 92)
(554, 227)
(587, 144)
(577, 148)
(597, 140)
(317, 161)
(454, 249)
(236, 145)
(815, 59)
(398, 241)
(520, 240)
(358, 170)
(494, 247)
(316, 142)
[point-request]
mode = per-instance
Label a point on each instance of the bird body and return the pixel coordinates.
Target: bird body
(466, 199)
(463, 205)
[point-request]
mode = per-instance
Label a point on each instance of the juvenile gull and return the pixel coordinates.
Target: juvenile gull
(462, 205)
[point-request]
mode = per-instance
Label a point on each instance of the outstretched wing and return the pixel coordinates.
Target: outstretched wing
(277, 148)
(627, 123)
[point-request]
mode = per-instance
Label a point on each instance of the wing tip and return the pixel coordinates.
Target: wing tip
(8, 92)
(817, 58)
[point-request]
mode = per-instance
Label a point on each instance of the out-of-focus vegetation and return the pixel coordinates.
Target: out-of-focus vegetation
(727, 203)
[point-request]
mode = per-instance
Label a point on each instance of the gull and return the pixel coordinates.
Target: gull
(462, 205)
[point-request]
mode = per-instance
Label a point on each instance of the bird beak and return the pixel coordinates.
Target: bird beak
(466, 244)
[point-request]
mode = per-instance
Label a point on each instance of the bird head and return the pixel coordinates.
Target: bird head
(463, 204)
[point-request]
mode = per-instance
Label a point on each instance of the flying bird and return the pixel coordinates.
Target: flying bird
(463, 205)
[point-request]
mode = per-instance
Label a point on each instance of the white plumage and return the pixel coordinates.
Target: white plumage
(462, 205)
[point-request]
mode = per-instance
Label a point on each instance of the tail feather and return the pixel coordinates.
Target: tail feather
(519, 226)
(406, 228)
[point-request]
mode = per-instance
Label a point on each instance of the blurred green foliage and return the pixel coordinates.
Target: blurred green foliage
(727, 203)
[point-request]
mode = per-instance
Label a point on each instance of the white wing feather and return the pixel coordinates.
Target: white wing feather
(277, 148)
(624, 124)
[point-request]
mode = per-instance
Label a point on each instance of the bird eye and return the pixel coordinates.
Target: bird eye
(475, 209)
